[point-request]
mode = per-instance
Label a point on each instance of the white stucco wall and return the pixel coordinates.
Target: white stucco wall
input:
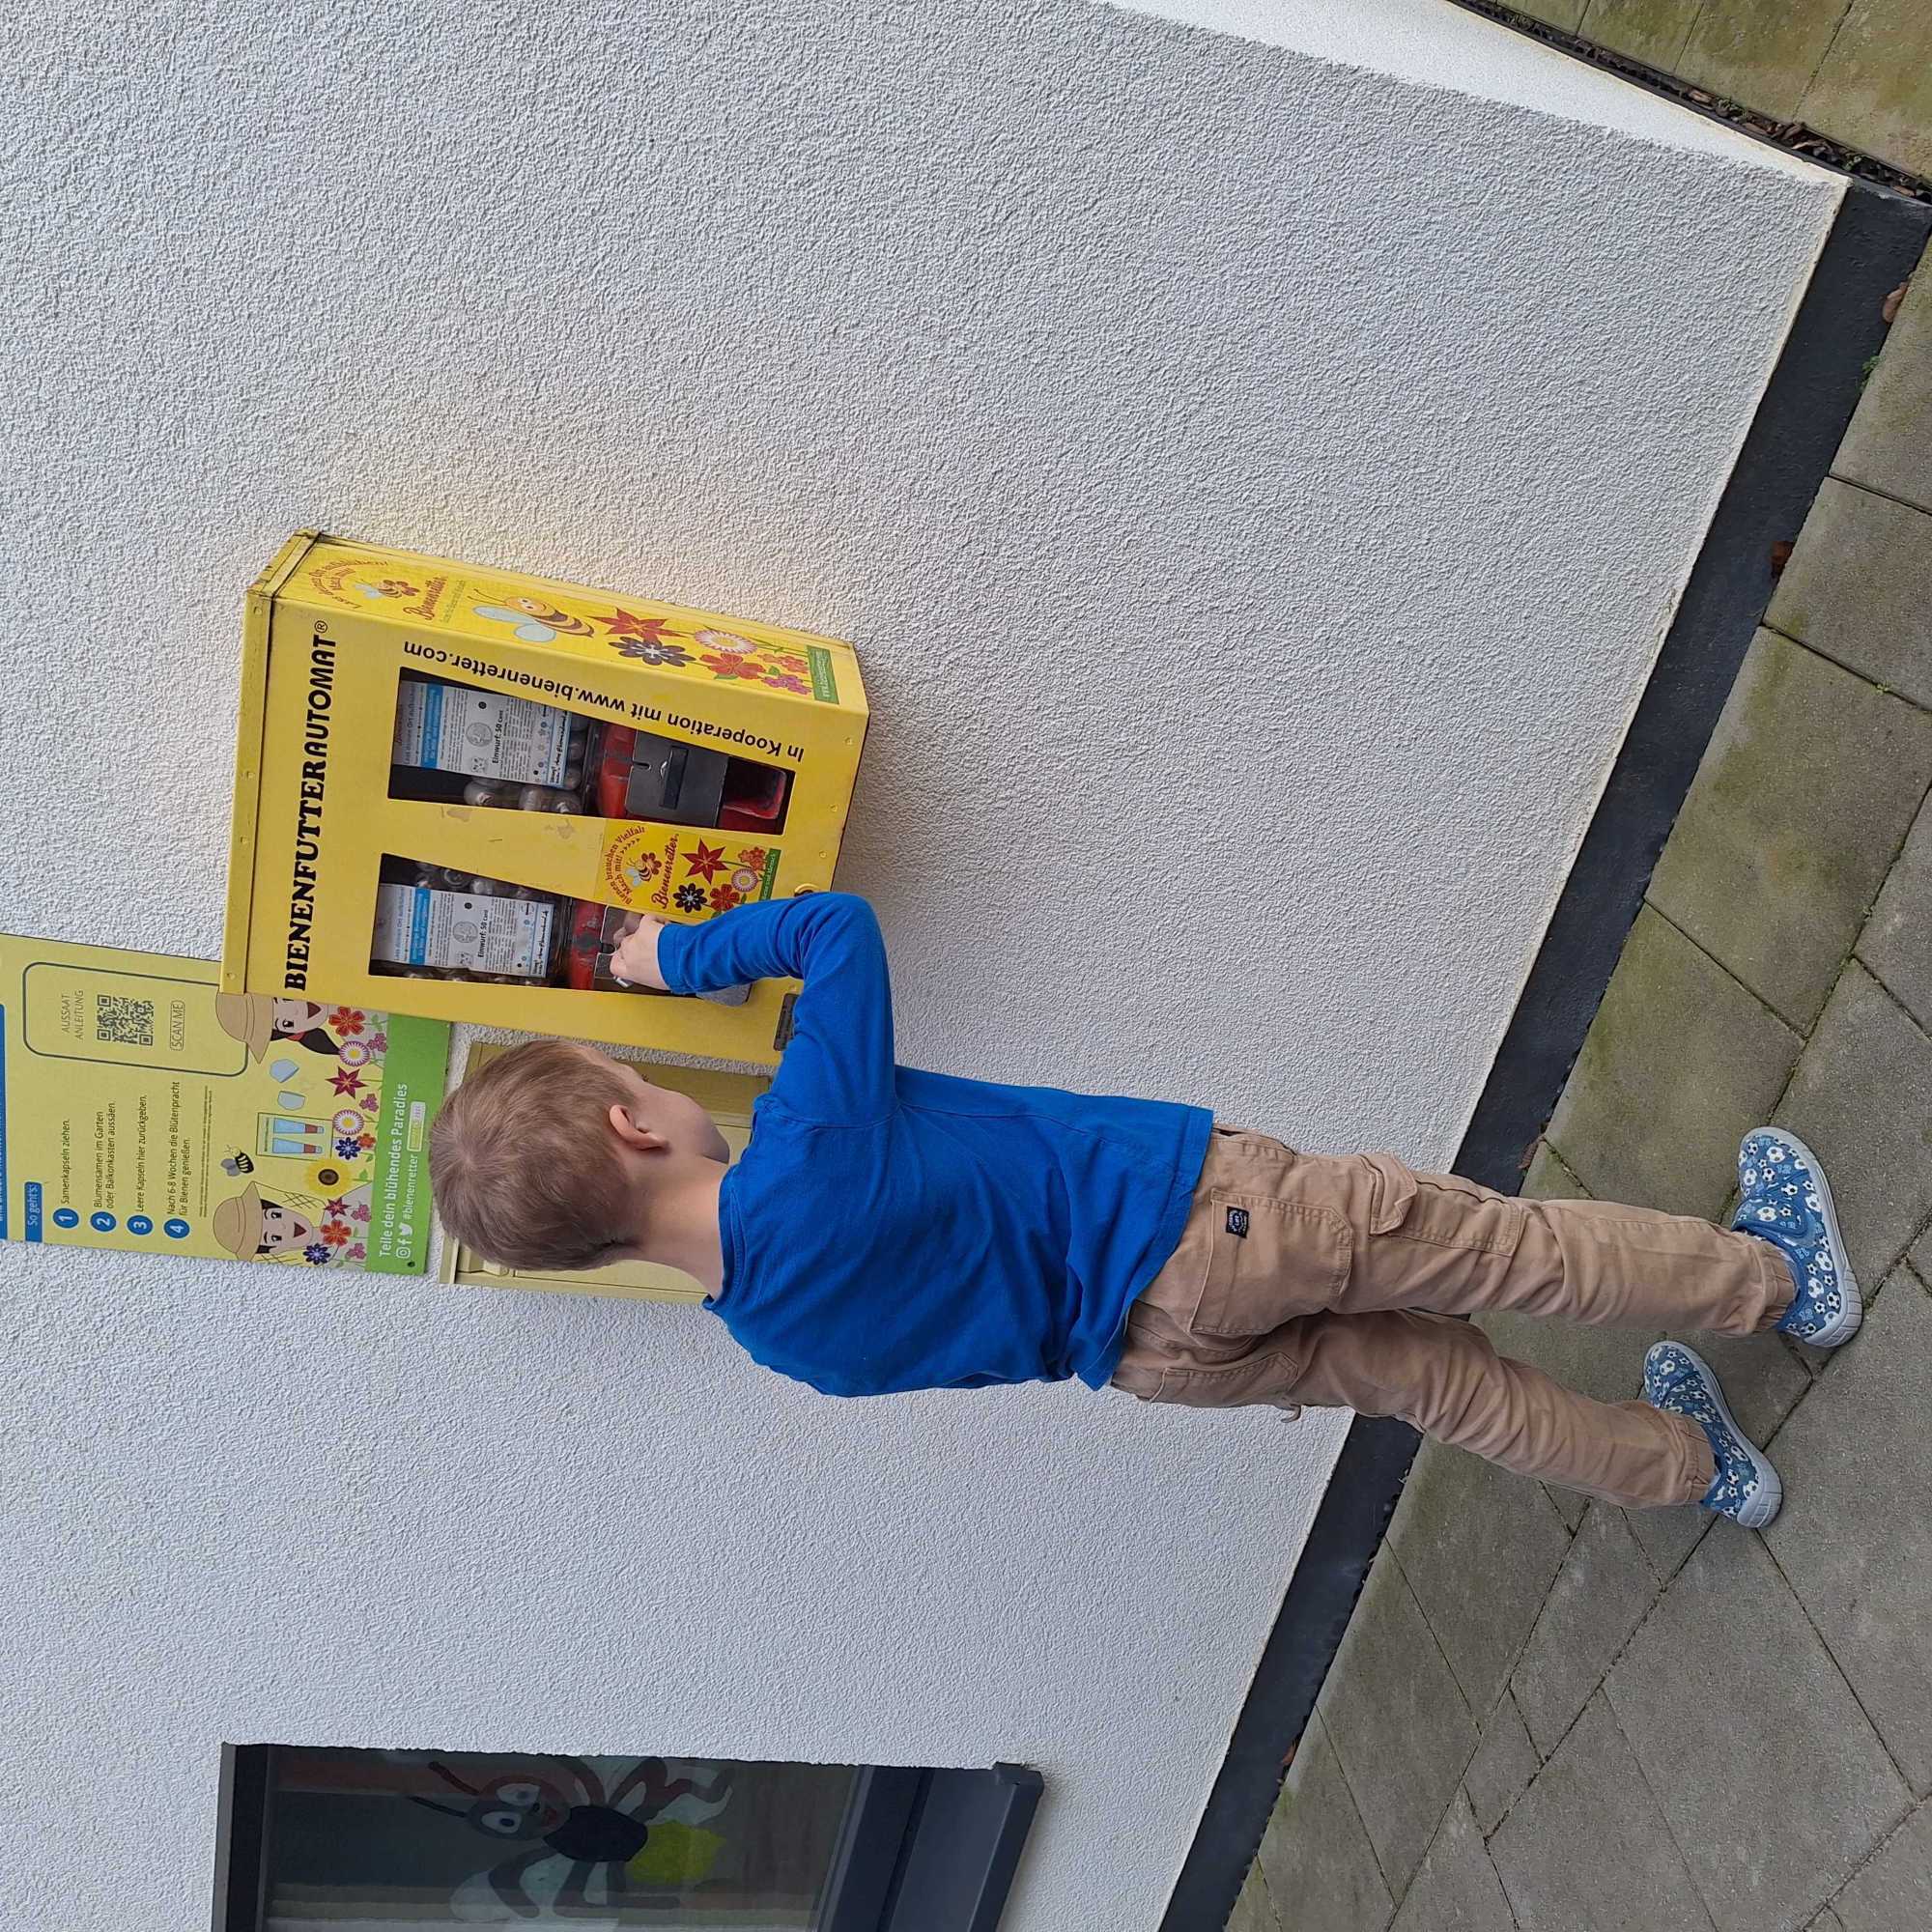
(1257, 485)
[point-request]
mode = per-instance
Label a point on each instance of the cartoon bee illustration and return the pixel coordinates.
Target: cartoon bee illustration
(534, 621)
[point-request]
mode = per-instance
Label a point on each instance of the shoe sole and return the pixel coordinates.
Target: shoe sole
(1852, 1311)
(1769, 1494)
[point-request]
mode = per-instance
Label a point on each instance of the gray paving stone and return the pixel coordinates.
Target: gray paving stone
(1587, 1849)
(1456, 1889)
(1775, 1784)
(1504, 1763)
(1859, 588)
(1855, 1538)
(1810, 782)
(1893, 1893)
(1827, 1920)
(1889, 445)
(1318, 1868)
(1896, 943)
(1550, 1178)
(1920, 1259)
(1480, 1547)
(1564, 14)
(1599, 1596)
(1764, 56)
(1668, 1536)
(1861, 1097)
(1652, 31)
(1679, 1064)
(1567, 1504)
(1253, 1913)
(1399, 1726)
(1873, 89)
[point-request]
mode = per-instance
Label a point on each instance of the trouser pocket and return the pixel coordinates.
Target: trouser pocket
(1268, 1259)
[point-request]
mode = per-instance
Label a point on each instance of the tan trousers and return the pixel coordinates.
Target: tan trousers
(1303, 1279)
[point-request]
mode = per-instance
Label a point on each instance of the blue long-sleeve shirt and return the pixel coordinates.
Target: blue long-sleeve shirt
(888, 1229)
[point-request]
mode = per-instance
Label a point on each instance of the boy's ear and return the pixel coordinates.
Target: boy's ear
(627, 1130)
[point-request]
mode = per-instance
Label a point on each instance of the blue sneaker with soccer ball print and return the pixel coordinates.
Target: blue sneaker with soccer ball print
(1746, 1487)
(1784, 1199)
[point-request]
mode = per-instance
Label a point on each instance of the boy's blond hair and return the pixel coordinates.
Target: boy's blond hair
(525, 1166)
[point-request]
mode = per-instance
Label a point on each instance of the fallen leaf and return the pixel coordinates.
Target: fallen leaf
(1780, 555)
(1889, 309)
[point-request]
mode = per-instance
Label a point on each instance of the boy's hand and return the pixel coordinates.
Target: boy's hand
(635, 957)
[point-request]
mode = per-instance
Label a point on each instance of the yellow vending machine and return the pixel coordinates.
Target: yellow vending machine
(453, 786)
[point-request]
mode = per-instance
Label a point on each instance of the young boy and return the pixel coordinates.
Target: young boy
(890, 1230)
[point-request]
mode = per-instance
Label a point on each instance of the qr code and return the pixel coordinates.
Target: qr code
(124, 1022)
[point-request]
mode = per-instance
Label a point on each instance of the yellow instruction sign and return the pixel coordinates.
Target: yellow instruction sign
(141, 1108)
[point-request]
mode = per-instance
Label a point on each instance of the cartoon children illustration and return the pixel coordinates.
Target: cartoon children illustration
(258, 1022)
(253, 1227)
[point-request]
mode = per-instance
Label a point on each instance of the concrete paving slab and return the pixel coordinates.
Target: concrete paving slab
(1855, 1538)
(1668, 1536)
(1873, 89)
(1587, 1848)
(1318, 1868)
(1253, 1913)
(1502, 1769)
(1896, 943)
(1480, 1547)
(1763, 56)
(1456, 1889)
(1773, 1782)
(1651, 31)
(1861, 1097)
(1679, 1064)
(1812, 779)
(1859, 588)
(1564, 14)
(1889, 446)
(1550, 1178)
(1893, 1893)
(1600, 1595)
(1399, 1725)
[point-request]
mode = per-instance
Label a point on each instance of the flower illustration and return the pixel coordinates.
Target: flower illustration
(753, 856)
(784, 681)
(368, 1103)
(651, 650)
(689, 897)
(346, 1020)
(796, 666)
(720, 665)
(349, 1146)
(315, 1252)
(378, 1042)
(357, 1253)
(335, 1208)
(724, 898)
(365, 1140)
(744, 880)
(336, 1234)
(346, 1080)
(727, 642)
(704, 862)
(360, 1211)
(625, 624)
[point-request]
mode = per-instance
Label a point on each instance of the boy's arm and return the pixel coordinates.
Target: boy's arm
(838, 1064)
